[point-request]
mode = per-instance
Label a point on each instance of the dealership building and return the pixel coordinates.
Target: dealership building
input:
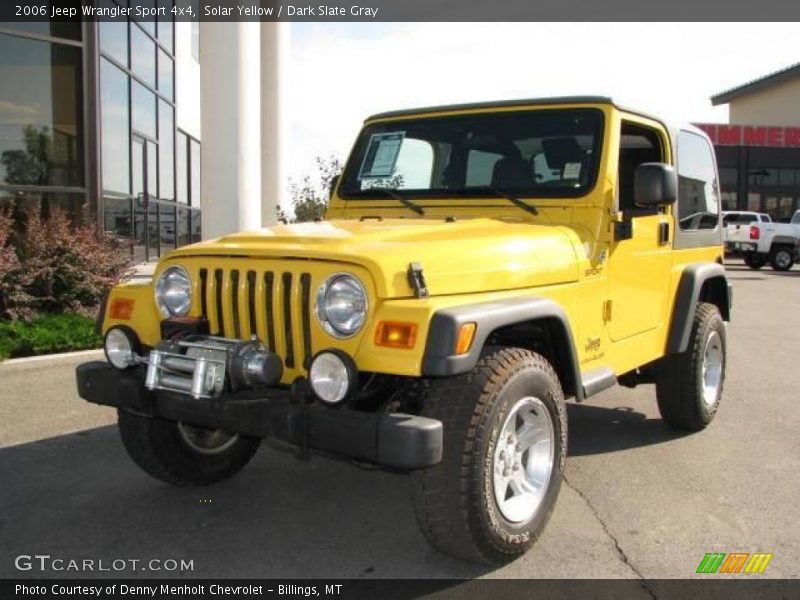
(103, 121)
(758, 151)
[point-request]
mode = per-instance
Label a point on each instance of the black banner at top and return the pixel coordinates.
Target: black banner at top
(403, 10)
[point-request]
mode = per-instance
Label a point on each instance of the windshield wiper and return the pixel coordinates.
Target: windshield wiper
(392, 194)
(511, 198)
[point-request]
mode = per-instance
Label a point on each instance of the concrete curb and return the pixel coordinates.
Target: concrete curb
(44, 357)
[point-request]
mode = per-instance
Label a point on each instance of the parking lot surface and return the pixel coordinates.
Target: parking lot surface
(639, 500)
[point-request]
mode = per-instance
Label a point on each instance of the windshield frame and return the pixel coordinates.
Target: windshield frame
(349, 177)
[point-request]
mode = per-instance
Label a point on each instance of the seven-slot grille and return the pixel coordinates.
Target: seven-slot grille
(268, 304)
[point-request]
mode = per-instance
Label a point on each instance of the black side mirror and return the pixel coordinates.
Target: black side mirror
(333, 184)
(654, 184)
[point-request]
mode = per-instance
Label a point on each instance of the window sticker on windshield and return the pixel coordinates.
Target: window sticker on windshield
(572, 171)
(381, 155)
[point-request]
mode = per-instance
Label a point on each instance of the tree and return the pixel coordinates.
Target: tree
(32, 165)
(310, 196)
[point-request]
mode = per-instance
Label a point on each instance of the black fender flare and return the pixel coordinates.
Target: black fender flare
(693, 278)
(440, 361)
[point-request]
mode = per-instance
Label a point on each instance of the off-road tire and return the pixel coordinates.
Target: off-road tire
(754, 261)
(157, 447)
(781, 259)
(454, 502)
(679, 382)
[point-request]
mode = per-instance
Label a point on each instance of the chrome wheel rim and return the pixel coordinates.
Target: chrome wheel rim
(206, 441)
(524, 455)
(712, 368)
(783, 259)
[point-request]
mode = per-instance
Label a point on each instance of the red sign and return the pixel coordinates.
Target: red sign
(752, 135)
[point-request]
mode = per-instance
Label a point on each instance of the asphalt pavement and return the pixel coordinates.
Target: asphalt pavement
(639, 500)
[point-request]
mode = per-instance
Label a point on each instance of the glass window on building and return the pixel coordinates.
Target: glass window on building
(143, 55)
(22, 204)
(196, 226)
(194, 173)
(182, 169)
(166, 151)
(149, 6)
(167, 226)
(143, 105)
(165, 74)
(697, 182)
(165, 26)
(69, 30)
(115, 128)
(114, 36)
(41, 121)
(183, 231)
(118, 219)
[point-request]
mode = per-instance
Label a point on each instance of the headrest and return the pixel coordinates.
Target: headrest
(560, 151)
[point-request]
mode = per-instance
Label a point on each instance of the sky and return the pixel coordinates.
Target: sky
(341, 73)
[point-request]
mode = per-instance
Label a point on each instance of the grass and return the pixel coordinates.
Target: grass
(47, 334)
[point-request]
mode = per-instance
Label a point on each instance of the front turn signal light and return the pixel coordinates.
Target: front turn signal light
(393, 334)
(121, 309)
(466, 333)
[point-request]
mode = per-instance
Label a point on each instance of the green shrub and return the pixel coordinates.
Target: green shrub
(48, 265)
(47, 334)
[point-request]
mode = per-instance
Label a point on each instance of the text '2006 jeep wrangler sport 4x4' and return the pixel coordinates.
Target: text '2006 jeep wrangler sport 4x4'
(478, 265)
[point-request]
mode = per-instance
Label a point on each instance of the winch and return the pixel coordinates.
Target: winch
(198, 365)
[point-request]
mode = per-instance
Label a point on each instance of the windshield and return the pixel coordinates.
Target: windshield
(536, 154)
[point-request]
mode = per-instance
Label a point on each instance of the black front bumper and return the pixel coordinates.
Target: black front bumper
(394, 441)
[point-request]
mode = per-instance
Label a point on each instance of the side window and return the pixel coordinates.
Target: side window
(698, 189)
(638, 144)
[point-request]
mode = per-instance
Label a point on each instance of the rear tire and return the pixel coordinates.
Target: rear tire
(781, 259)
(505, 441)
(689, 385)
(183, 455)
(754, 261)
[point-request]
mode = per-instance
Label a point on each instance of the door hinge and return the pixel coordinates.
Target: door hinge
(607, 305)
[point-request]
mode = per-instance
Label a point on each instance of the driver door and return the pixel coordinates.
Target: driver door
(639, 267)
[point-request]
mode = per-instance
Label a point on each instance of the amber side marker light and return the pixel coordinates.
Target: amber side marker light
(466, 333)
(121, 308)
(396, 335)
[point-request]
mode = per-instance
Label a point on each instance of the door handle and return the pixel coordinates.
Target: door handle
(663, 233)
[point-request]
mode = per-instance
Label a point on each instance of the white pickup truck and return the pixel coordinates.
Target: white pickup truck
(760, 241)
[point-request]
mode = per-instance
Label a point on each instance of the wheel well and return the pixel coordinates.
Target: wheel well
(547, 337)
(715, 291)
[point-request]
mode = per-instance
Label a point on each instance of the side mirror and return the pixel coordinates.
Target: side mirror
(333, 184)
(654, 184)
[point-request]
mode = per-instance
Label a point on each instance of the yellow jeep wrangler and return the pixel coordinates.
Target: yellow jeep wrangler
(478, 265)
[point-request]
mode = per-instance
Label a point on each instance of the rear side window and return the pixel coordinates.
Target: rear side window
(698, 189)
(766, 218)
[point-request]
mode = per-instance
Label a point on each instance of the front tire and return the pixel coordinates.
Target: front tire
(505, 436)
(181, 454)
(781, 259)
(689, 385)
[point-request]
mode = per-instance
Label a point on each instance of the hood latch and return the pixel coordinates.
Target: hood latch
(416, 279)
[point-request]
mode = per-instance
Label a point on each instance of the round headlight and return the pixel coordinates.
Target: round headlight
(332, 376)
(174, 292)
(342, 305)
(121, 347)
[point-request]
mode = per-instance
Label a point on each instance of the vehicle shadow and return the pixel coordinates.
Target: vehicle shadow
(598, 430)
(79, 496)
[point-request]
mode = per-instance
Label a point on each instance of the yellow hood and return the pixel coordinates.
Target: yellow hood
(459, 257)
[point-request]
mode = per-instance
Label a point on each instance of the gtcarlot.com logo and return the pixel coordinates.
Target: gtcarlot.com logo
(46, 562)
(735, 562)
